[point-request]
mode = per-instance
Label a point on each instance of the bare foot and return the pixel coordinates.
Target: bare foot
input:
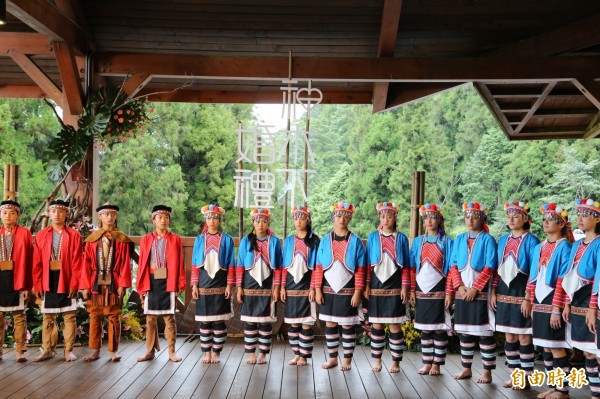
(147, 357)
(20, 357)
(545, 394)
(346, 364)
(44, 356)
(507, 384)
(558, 395)
(215, 358)
(527, 386)
(251, 358)
(206, 358)
(486, 377)
(69, 356)
(261, 359)
(95, 355)
(114, 357)
(435, 370)
(173, 357)
(395, 367)
(294, 361)
(301, 362)
(425, 369)
(376, 366)
(332, 362)
(466, 373)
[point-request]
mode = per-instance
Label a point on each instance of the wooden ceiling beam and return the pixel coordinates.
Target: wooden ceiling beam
(589, 88)
(30, 43)
(248, 97)
(12, 91)
(535, 107)
(593, 129)
(344, 69)
(388, 33)
(37, 75)
(574, 36)
(69, 74)
(135, 83)
(405, 93)
(494, 108)
(44, 18)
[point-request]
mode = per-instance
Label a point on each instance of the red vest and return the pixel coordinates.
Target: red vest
(22, 256)
(175, 268)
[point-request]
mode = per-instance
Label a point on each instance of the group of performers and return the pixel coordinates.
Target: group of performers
(538, 294)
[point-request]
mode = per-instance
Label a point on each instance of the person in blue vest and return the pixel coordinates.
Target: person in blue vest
(299, 259)
(213, 279)
(339, 280)
(473, 263)
(509, 297)
(575, 291)
(258, 278)
(388, 285)
(431, 290)
(549, 260)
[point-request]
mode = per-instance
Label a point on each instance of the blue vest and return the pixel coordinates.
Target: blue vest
(375, 250)
(246, 253)
(525, 250)
(355, 253)
(483, 255)
(417, 246)
(288, 253)
(226, 249)
(557, 266)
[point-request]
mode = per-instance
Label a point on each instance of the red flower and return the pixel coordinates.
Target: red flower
(120, 112)
(121, 120)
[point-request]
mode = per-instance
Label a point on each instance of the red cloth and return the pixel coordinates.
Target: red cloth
(71, 255)
(483, 278)
(175, 267)
(316, 280)
(121, 268)
(22, 256)
(239, 275)
(454, 277)
(406, 278)
(359, 278)
(231, 276)
(560, 296)
(594, 301)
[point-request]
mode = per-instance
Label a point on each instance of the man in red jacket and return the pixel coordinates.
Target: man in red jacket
(106, 274)
(57, 260)
(161, 276)
(16, 254)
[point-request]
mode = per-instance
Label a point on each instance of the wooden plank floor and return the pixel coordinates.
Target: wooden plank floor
(233, 378)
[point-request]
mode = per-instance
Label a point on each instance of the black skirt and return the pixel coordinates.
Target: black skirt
(258, 306)
(211, 304)
(544, 335)
(338, 307)
(55, 302)
(508, 313)
(385, 303)
(158, 300)
(474, 318)
(298, 309)
(430, 313)
(9, 298)
(579, 335)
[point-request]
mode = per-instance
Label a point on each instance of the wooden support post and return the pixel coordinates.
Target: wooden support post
(11, 182)
(416, 200)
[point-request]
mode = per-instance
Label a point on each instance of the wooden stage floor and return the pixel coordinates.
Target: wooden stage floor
(233, 378)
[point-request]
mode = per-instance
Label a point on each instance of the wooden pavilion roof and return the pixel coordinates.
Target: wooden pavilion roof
(535, 63)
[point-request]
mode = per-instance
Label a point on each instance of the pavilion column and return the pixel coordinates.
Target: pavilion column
(416, 200)
(11, 182)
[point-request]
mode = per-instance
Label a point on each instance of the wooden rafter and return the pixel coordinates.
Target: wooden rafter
(345, 69)
(405, 93)
(535, 107)
(484, 92)
(590, 88)
(390, 20)
(593, 129)
(69, 75)
(44, 18)
(135, 83)
(37, 76)
(12, 91)
(25, 42)
(580, 34)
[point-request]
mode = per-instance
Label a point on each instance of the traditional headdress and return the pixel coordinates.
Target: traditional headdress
(107, 207)
(387, 207)
(8, 204)
(431, 210)
(260, 213)
(212, 211)
(588, 207)
(517, 207)
(478, 210)
(343, 208)
(557, 213)
(59, 204)
(301, 212)
(158, 209)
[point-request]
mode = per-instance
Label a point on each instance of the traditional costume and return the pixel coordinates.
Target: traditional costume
(340, 270)
(576, 289)
(430, 265)
(473, 263)
(160, 276)
(299, 261)
(57, 265)
(258, 272)
(213, 269)
(549, 260)
(16, 257)
(107, 266)
(388, 271)
(510, 283)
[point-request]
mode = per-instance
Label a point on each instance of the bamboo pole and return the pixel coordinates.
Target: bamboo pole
(11, 182)
(416, 200)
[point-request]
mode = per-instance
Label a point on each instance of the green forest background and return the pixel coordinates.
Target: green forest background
(187, 159)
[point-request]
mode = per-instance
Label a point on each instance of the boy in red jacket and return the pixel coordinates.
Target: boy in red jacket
(160, 277)
(57, 262)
